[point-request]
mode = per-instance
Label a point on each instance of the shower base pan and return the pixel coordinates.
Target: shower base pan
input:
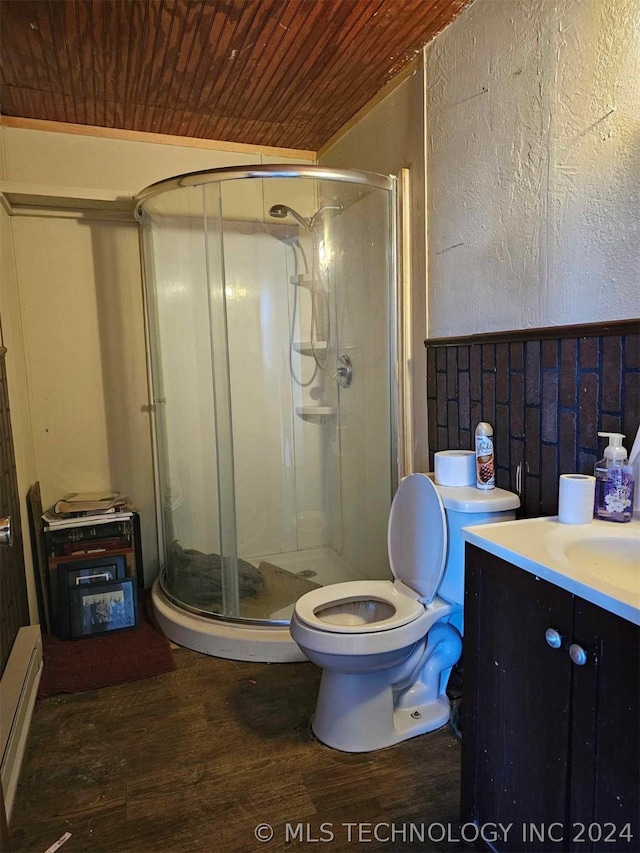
(262, 644)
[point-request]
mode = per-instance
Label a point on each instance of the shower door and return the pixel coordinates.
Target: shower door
(271, 332)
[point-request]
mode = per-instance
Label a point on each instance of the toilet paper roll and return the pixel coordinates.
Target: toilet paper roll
(575, 500)
(455, 468)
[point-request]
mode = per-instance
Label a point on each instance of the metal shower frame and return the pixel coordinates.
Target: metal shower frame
(318, 173)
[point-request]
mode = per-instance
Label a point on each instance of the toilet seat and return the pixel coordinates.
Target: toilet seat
(351, 607)
(417, 556)
(316, 639)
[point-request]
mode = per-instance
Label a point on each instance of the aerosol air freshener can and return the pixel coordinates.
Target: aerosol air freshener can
(485, 461)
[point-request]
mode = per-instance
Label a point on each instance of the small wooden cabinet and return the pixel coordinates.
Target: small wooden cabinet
(549, 745)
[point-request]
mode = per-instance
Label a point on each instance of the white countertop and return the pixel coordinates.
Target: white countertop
(599, 562)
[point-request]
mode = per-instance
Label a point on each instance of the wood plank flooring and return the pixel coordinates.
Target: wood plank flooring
(195, 759)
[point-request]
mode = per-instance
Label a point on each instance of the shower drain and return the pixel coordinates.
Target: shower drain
(306, 573)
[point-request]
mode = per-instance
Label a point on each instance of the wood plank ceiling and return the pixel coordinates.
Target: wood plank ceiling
(285, 73)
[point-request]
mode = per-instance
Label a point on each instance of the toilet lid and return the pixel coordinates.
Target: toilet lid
(417, 536)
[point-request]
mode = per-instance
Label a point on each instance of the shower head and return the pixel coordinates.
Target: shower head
(280, 211)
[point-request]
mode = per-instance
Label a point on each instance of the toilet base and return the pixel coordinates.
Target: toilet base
(355, 713)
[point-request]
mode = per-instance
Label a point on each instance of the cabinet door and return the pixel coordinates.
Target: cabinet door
(515, 741)
(605, 737)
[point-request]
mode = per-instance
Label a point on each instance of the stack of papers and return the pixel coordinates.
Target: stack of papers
(76, 503)
(82, 509)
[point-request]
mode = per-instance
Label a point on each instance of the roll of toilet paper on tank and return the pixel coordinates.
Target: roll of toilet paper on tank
(575, 500)
(455, 468)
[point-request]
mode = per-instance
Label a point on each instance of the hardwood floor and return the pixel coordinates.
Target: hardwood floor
(195, 759)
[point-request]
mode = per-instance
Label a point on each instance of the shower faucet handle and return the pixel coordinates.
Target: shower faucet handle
(344, 372)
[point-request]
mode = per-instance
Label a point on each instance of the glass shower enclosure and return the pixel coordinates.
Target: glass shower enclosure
(270, 306)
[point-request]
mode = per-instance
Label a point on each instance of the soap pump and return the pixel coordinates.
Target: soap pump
(614, 482)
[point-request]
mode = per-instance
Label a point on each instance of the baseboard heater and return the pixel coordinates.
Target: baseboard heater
(18, 690)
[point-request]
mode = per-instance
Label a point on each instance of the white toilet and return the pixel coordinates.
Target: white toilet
(386, 648)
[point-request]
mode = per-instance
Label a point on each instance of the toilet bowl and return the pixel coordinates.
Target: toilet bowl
(386, 648)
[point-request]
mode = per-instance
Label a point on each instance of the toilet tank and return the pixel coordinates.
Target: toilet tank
(465, 506)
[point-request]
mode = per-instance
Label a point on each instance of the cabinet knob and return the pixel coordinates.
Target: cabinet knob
(577, 654)
(553, 638)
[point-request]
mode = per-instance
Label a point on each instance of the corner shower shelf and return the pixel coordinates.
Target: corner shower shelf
(305, 348)
(316, 411)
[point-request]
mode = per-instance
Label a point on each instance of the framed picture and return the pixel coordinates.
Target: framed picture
(98, 568)
(105, 606)
(82, 573)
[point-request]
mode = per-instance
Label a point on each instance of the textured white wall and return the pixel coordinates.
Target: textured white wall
(534, 165)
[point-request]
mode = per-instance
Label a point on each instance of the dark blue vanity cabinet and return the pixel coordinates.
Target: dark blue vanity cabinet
(551, 714)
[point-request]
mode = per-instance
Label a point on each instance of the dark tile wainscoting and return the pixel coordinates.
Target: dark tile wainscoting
(547, 393)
